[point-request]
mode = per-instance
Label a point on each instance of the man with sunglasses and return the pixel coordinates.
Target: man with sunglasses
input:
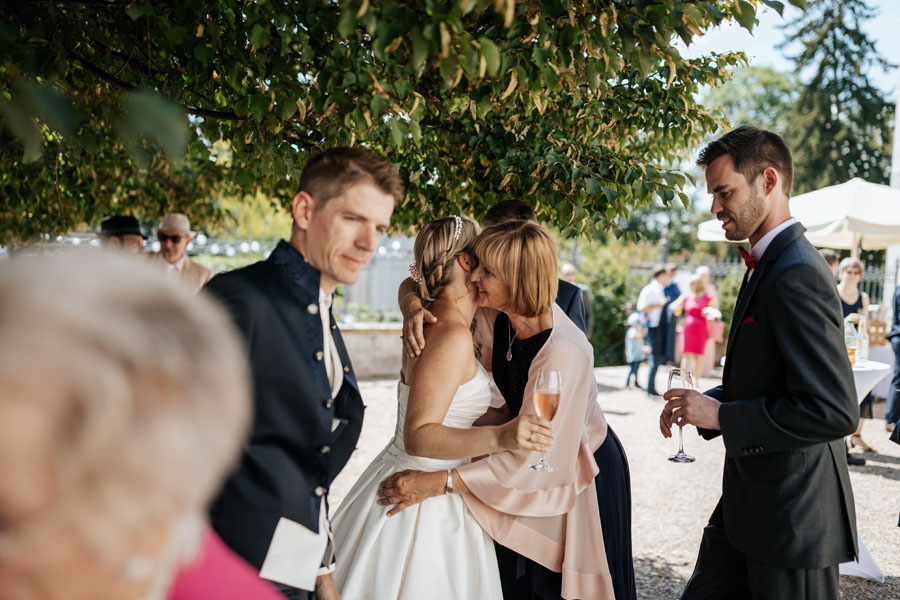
(174, 233)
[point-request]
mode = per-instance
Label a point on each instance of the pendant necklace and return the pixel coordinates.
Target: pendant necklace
(512, 337)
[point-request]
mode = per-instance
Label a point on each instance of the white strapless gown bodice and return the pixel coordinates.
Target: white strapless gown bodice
(434, 549)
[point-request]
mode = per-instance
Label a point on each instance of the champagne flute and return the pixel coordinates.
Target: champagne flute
(681, 378)
(547, 390)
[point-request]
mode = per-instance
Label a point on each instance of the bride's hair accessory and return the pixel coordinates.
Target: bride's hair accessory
(414, 273)
(459, 225)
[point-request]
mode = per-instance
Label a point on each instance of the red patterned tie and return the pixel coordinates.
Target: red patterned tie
(748, 258)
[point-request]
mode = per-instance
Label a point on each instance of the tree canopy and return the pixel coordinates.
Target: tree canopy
(840, 125)
(139, 106)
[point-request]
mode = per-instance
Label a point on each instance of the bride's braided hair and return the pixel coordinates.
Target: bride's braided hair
(436, 247)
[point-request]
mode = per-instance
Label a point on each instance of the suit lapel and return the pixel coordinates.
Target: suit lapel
(748, 288)
(743, 301)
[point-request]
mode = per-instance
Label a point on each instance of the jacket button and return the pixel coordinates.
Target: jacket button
(313, 309)
(325, 449)
(328, 403)
(320, 356)
(319, 491)
(333, 326)
(346, 368)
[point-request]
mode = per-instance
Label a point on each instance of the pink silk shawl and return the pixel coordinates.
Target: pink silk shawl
(551, 518)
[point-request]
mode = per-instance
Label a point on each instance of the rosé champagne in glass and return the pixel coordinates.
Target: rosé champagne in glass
(547, 391)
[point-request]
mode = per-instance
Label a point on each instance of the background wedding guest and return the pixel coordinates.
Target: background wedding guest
(715, 327)
(634, 348)
(567, 273)
(832, 258)
(174, 234)
(672, 289)
(855, 305)
(123, 401)
(651, 302)
(273, 509)
(122, 232)
(854, 302)
(786, 518)
(694, 333)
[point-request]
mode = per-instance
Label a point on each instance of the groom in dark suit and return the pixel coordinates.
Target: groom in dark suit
(786, 517)
(273, 509)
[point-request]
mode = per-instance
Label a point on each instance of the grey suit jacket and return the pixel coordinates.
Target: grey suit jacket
(788, 400)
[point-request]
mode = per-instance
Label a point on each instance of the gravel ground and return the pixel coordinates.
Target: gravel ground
(672, 502)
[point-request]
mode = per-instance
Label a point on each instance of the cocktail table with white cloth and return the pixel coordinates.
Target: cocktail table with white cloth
(882, 353)
(866, 373)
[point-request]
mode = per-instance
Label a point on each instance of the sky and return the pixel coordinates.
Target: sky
(760, 46)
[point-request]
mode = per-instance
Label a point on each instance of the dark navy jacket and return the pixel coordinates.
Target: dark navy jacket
(568, 297)
(292, 454)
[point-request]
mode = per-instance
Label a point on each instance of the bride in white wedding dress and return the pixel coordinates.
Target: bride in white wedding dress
(434, 549)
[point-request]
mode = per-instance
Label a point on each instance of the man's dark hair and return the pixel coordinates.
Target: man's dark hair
(753, 150)
(508, 210)
(830, 256)
(658, 270)
(328, 174)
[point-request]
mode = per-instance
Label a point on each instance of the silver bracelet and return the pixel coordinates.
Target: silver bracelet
(448, 489)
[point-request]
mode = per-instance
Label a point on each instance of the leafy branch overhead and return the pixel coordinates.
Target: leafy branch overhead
(145, 106)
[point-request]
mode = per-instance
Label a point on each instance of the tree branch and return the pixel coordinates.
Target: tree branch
(218, 115)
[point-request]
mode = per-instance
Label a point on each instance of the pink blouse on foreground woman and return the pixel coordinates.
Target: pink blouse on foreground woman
(219, 573)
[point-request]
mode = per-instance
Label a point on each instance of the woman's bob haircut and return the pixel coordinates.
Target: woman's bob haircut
(523, 255)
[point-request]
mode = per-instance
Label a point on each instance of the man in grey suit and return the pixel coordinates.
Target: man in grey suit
(786, 517)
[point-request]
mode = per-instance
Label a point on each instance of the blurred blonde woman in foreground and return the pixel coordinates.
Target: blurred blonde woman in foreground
(123, 401)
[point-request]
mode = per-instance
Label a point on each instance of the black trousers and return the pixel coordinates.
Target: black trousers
(724, 573)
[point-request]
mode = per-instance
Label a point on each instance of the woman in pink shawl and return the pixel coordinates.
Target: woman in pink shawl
(563, 534)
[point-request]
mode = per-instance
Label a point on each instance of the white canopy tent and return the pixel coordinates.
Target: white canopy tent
(846, 216)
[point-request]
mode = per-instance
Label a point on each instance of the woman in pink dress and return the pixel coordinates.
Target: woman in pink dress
(694, 333)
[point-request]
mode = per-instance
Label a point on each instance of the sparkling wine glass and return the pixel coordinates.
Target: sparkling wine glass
(546, 400)
(681, 378)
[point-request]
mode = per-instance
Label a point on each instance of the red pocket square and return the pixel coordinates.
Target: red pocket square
(749, 319)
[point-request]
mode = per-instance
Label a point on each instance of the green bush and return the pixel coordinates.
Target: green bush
(728, 289)
(605, 270)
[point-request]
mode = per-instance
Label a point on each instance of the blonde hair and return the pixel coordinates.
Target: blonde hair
(698, 285)
(145, 385)
(435, 249)
(523, 255)
(849, 263)
(703, 272)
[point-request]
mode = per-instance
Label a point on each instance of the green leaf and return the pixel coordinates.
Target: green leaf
(416, 131)
(419, 52)
(136, 10)
(50, 106)
(287, 110)
(159, 120)
(347, 22)
(491, 55)
(746, 15)
(23, 127)
(396, 133)
(204, 53)
(260, 36)
(775, 4)
(244, 178)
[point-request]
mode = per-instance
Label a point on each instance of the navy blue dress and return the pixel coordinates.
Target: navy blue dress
(521, 577)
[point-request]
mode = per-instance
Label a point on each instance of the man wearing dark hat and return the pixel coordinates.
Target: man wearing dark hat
(174, 234)
(122, 232)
